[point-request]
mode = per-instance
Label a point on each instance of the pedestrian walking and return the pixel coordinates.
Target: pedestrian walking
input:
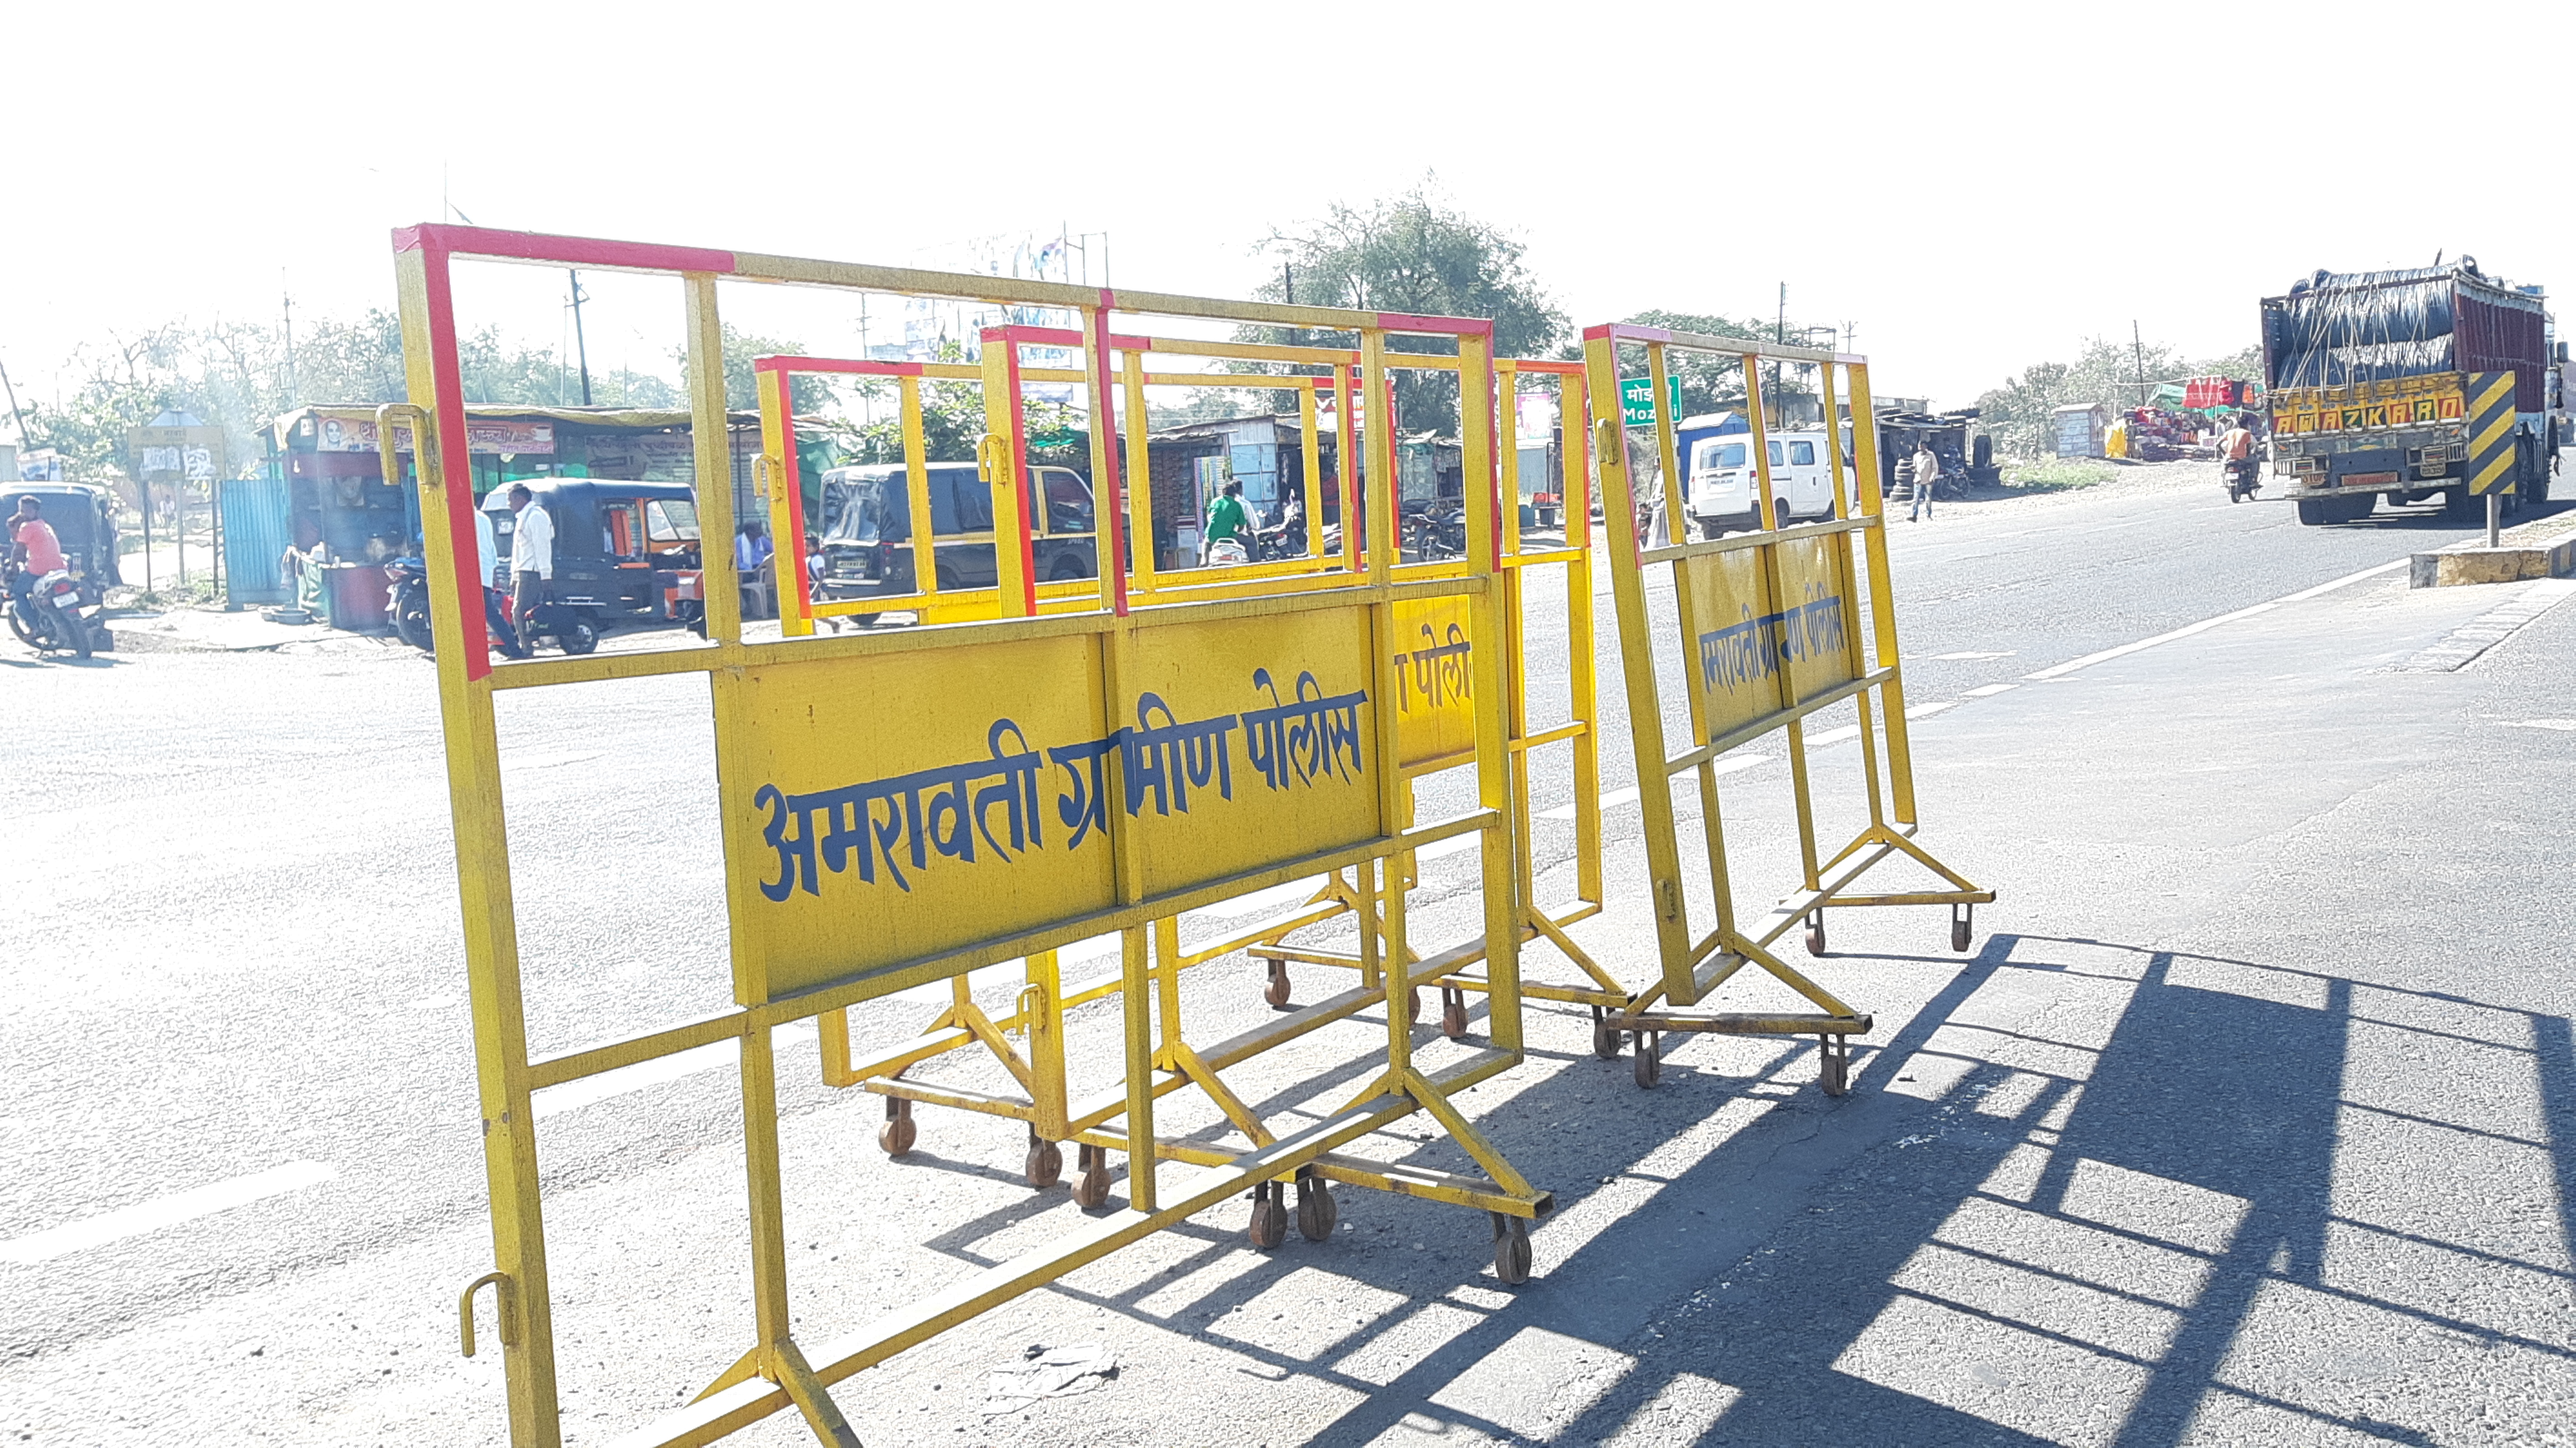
(1927, 471)
(532, 562)
(815, 564)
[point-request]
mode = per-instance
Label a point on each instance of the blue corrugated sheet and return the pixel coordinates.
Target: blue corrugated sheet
(255, 537)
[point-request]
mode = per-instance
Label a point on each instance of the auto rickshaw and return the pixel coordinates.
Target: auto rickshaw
(625, 552)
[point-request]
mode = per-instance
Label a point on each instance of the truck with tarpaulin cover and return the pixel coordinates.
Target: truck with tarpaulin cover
(2407, 383)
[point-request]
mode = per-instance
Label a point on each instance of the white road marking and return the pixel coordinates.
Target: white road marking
(572, 1095)
(2304, 594)
(2569, 724)
(1925, 711)
(1971, 655)
(1618, 797)
(1835, 736)
(2089, 660)
(1989, 691)
(161, 1212)
(2060, 671)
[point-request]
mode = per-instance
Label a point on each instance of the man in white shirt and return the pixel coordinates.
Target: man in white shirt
(1927, 471)
(532, 558)
(496, 620)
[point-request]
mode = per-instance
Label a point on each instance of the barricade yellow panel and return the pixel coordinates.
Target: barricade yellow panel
(1435, 708)
(1754, 651)
(1296, 688)
(912, 804)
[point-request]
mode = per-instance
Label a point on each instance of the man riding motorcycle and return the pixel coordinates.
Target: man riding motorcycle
(2237, 462)
(34, 554)
(34, 551)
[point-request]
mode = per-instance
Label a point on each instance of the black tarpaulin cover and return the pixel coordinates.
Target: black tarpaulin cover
(2338, 328)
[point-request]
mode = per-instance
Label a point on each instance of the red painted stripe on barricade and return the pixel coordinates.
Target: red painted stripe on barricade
(1108, 492)
(795, 504)
(1062, 337)
(448, 381)
(586, 251)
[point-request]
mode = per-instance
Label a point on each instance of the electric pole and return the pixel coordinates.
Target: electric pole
(581, 344)
(23, 439)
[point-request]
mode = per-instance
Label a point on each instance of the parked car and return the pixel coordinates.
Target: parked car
(624, 552)
(1726, 491)
(869, 552)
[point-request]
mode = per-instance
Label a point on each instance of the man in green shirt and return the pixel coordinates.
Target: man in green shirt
(1226, 517)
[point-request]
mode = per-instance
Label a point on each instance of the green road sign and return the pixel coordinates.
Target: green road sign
(1637, 399)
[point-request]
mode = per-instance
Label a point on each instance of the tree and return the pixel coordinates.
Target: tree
(952, 419)
(235, 375)
(1412, 253)
(1709, 383)
(810, 394)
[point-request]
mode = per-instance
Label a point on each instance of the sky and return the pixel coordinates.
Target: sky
(1972, 187)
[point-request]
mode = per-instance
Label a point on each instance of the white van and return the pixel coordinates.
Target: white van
(1726, 492)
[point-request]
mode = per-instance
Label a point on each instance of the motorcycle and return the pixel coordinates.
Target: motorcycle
(407, 601)
(1435, 533)
(2243, 476)
(1226, 552)
(1281, 540)
(571, 632)
(52, 612)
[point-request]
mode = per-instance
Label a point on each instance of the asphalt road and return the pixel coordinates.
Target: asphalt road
(2247, 1121)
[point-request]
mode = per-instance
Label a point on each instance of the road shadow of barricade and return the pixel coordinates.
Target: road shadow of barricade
(2126, 1236)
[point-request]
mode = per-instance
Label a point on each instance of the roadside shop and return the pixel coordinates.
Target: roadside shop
(332, 505)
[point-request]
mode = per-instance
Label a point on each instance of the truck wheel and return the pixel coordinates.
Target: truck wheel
(2315, 512)
(2459, 505)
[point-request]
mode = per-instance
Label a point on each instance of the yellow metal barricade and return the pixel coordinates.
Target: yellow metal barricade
(1770, 634)
(1114, 768)
(1435, 716)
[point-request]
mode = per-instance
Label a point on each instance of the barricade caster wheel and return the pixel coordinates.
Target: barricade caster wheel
(1511, 1250)
(1605, 1041)
(1453, 1011)
(1816, 933)
(1316, 1210)
(896, 1136)
(1650, 1058)
(1277, 993)
(1092, 1187)
(1963, 926)
(1046, 1162)
(1833, 1064)
(1269, 1216)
